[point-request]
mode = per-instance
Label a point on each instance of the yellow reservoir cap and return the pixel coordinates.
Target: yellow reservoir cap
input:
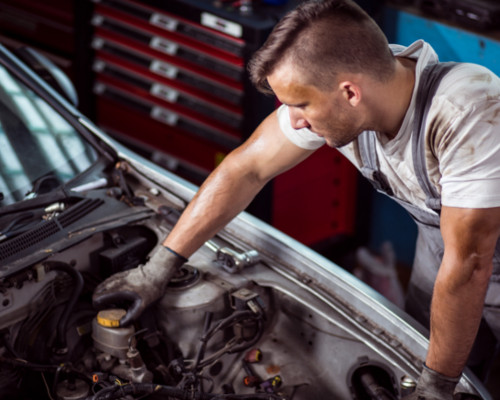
(110, 318)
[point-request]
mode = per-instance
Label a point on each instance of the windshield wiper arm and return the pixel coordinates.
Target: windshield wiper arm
(41, 185)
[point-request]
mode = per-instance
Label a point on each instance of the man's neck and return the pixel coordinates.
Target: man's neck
(397, 97)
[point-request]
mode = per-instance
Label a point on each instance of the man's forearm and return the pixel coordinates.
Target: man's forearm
(470, 237)
(455, 316)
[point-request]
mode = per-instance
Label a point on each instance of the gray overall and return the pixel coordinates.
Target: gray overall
(429, 246)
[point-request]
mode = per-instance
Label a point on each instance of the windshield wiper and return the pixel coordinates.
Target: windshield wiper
(61, 194)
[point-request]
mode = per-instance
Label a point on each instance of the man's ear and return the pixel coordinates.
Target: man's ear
(350, 92)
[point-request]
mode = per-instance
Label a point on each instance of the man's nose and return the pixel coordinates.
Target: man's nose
(297, 118)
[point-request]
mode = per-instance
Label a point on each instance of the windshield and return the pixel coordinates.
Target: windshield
(39, 150)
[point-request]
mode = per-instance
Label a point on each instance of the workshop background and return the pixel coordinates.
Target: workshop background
(168, 78)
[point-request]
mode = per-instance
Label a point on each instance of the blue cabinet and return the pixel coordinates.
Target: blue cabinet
(452, 43)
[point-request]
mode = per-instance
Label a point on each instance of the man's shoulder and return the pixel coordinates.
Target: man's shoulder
(474, 72)
(468, 82)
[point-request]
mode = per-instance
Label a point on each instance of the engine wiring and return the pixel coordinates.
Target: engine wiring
(192, 374)
(234, 345)
(120, 390)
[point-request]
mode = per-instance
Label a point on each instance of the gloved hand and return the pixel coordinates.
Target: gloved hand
(140, 286)
(432, 385)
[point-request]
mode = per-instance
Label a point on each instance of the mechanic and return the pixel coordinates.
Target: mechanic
(430, 141)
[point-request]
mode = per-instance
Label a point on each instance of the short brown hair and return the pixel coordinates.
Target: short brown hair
(322, 38)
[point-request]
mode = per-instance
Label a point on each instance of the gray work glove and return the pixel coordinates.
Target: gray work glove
(432, 385)
(139, 286)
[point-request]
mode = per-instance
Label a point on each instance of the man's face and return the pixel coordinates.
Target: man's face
(326, 113)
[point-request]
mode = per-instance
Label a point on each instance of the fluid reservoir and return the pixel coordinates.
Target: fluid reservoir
(108, 336)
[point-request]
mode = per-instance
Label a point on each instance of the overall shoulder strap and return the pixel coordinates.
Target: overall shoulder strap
(370, 168)
(429, 81)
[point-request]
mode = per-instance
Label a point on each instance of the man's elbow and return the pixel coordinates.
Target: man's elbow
(235, 167)
(473, 271)
(482, 269)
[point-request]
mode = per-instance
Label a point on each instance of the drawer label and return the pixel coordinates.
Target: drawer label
(165, 116)
(164, 69)
(165, 46)
(222, 25)
(164, 22)
(164, 92)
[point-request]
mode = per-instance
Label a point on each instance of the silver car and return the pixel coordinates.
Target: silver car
(253, 315)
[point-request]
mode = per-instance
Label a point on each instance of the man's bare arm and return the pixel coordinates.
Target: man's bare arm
(470, 237)
(233, 184)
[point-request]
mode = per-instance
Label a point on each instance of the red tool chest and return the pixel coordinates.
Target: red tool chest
(170, 76)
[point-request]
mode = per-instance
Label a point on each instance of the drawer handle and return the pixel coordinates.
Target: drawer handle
(163, 69)
(165, 46)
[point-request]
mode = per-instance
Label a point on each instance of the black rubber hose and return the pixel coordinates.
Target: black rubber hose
(60, 345)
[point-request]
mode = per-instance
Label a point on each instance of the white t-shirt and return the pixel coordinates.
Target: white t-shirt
(462, 138)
